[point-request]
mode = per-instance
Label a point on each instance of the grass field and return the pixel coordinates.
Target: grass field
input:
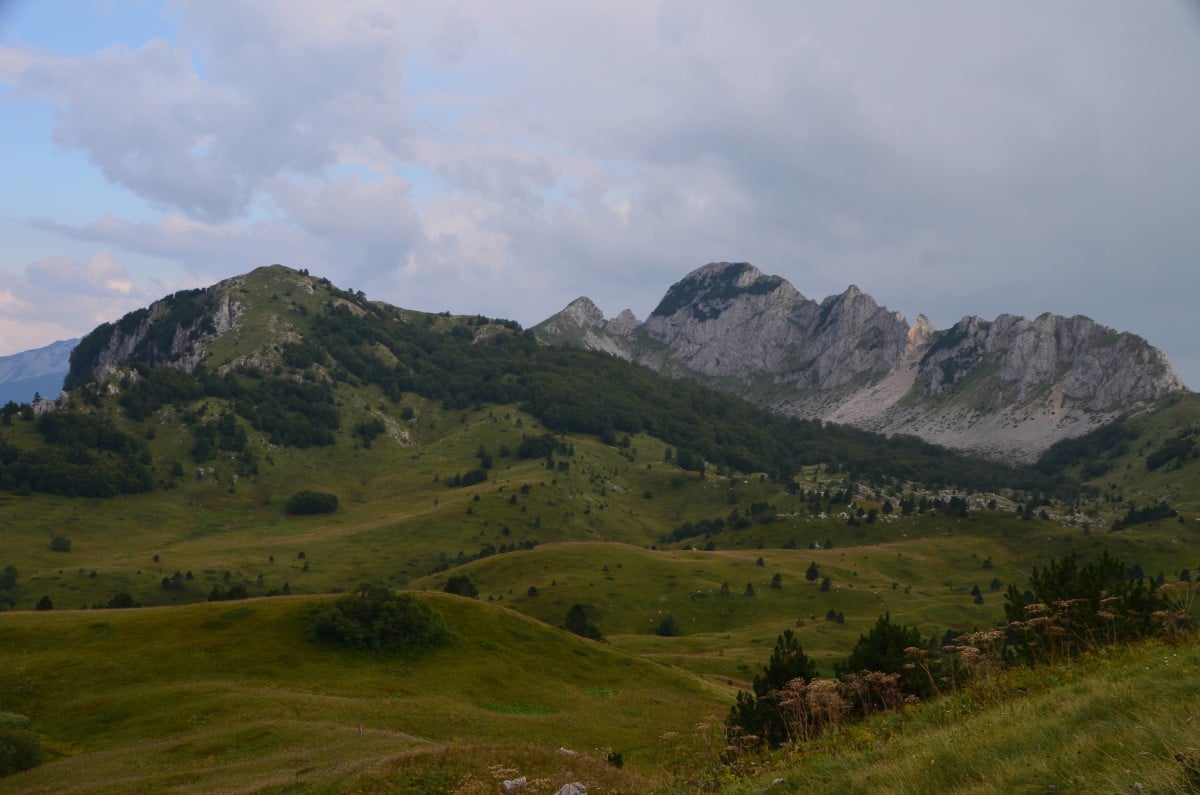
(201, 697)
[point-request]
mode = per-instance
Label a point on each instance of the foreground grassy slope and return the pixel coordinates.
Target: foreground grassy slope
(211, 696)
(1121, 721)
(232, 698)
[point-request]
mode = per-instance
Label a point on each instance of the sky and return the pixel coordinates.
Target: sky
(505, 158)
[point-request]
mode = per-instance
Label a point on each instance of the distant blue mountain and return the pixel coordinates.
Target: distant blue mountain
(39, 371)
(23, 391)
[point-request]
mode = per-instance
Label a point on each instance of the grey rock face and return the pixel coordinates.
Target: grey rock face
(581, 324)
(162, 336)
(622, 325)
(1007, 388)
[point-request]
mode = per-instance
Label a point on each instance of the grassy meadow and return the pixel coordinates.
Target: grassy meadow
(203, 697)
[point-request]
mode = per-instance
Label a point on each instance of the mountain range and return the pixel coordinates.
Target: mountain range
(1007, 388)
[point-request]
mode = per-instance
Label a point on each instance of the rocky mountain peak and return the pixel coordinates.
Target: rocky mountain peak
(623, 324)
(918, 338)
(581, 324)
(707, 291)
(1009, 387)
(581, 313)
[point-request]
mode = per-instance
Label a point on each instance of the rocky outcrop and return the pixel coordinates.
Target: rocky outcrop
(581, 324)
(1007, 388)
(171, 332)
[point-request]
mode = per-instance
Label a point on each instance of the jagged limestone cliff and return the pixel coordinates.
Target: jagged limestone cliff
(1008, 388)
(181, 330)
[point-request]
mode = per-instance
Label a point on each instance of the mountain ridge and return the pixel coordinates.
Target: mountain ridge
(1006, 388)
(280, 345)
(36, 371)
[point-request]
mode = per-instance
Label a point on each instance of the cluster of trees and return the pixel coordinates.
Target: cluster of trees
(1151, 513)
(221, 434)
(369, 430)
(1094, 453)
(291, 413)
(1174, 451)
(378, 619)
(1069, 608)
(84, 455)
(156, 387)
(472, 477)
(461, 585)
(444, 561)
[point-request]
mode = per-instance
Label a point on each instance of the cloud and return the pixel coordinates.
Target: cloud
(949, 158)
(203, 145)
(57, 298)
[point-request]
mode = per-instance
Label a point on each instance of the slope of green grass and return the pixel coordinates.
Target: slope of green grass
(202, 697)
(1121, 721)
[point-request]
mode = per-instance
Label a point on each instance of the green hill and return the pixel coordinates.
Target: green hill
(211, 696)
(691, 528)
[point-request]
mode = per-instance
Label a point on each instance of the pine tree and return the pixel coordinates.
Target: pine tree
(758, 714)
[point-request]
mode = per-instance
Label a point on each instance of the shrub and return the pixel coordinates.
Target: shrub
(378, 619)
(758, 714)
(461, 585)
(122, 601)
(19, 750)
(579, 623)
(60, 544)
(471, 477)
(11, 720)
(1071, 608)
(311, 502)
(885, 650)
(667, 627)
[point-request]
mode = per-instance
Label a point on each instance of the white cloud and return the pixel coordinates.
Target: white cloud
(949, 158)
(57, 298)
